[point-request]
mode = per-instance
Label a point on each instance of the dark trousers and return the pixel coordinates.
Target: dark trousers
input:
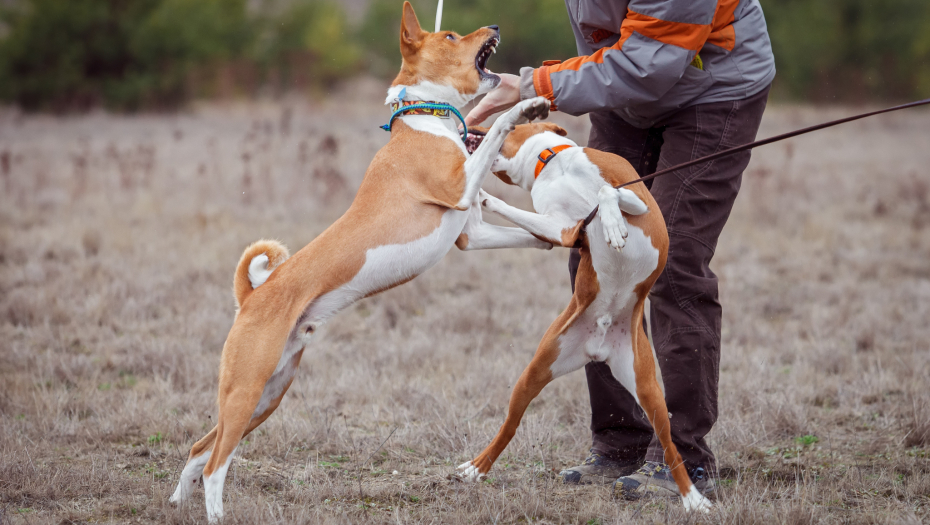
(686, 313)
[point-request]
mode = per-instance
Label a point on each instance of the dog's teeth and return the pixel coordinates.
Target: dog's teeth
(494, 50)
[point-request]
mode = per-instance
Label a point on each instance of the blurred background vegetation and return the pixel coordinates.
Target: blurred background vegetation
(62, 55)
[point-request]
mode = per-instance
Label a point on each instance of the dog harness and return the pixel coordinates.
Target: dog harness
(547, 155)
(423, 107)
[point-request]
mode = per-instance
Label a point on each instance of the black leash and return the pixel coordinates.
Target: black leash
(762, 142)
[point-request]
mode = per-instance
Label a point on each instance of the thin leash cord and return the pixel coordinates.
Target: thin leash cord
(427, 105)
(762, 142)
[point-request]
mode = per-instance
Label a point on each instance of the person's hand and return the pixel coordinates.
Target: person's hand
(504, 96)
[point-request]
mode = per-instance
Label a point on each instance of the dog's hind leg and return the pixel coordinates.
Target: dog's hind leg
(198, 457)
(273, 393)
(258, 364)
(652, 400)
(552, 360)
(479, 235)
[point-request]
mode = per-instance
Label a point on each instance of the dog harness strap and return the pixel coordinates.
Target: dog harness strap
(547, 155)
(420, 107)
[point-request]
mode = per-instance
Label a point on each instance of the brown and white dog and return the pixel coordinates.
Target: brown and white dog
(417, 197)
(623, 251)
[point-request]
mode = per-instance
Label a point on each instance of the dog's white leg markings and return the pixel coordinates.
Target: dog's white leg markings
(612, 221)
(570, 358)
(480, 235)
(189, 477)
(213, 490)
(655, 358)
(608, 210)
(694, 501)
(611, 201)
(469, 473)
(479, 164)
(549, 227)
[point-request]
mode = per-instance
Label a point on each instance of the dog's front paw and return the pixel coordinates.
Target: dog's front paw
(527, 110)
(469, 473)
(488, 201)
(534, 108)
(615, 231)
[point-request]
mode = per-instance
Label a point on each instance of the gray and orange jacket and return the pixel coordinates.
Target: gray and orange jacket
(646, 59)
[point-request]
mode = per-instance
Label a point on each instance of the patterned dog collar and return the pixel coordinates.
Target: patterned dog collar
(422, 107)
(433, 110)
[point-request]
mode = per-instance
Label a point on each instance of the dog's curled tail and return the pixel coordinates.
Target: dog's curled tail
(256, 265)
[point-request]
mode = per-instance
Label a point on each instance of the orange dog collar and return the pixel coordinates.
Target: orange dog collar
(547, 155)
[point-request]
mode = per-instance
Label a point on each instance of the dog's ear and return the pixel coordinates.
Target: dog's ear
(555, 128)
(571, 236)
(504, 177)
(410, 32)
(501, 168)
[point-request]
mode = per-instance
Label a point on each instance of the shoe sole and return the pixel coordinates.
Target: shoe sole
(573, 477)
(653, 490)
(576, 478)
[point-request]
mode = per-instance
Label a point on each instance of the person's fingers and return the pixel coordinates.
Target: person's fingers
(471, 118)
(478, 114)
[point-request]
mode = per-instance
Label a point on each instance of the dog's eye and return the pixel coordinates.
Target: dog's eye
(451, 37)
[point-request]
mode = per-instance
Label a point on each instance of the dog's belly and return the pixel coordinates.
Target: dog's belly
(619, 273)
(603, 331)
(388, 266)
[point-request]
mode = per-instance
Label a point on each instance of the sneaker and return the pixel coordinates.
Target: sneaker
(655, 479)
(703, 482)
(598, 468)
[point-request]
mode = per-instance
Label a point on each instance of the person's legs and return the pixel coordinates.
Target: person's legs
(686, 312)
(685, 309)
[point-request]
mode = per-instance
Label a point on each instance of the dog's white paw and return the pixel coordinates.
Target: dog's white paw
(615, 231)
(488, 201)
(528, 110)
(534, 108)
(696, 502)
(469, 473)
(184, 489)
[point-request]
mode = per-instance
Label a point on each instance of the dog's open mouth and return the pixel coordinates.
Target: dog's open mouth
(481, 59)
(473, 140)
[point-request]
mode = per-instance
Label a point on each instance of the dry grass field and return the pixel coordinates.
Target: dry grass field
(118, 240)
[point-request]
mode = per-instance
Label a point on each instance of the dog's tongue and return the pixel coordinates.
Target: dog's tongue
(472, 142)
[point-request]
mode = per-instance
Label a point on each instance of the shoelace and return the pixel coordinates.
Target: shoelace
(651, 469)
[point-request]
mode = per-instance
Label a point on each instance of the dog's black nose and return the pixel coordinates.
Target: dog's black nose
(494, 28)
